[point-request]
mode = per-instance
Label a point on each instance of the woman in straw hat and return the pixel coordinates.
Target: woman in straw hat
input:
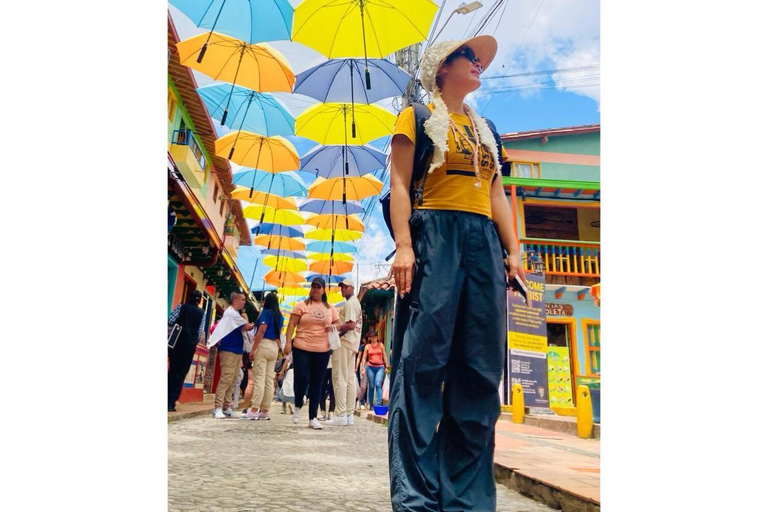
(448, 343)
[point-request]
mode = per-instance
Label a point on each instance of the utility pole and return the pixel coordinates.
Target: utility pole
(408, 60)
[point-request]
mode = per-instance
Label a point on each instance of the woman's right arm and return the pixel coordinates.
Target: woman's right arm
(364, 359)
(289, 334)
(400, 211)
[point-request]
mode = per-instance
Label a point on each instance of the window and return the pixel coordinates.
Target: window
(221, 208)
(171, 105)
(526, 170)
(215, 191)
(593, 348)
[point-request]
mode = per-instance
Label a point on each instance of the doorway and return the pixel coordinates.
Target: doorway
(561, 372)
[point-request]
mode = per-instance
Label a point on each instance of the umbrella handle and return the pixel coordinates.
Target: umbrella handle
(367, 79)
(202, 52)
(224, 119)
(354, 131)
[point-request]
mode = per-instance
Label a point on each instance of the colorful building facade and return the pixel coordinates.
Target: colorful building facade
(554, 184)
(205, 226)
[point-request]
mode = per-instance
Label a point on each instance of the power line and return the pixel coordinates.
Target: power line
(543, 72)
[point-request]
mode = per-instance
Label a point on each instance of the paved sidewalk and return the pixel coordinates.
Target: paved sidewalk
(235, 465)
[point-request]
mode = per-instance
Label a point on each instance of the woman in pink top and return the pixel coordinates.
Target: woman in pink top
(311, 320)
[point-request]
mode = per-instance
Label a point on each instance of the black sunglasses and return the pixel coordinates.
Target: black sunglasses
(464, 51)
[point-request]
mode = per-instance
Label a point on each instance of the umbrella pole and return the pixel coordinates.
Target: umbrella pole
(253, 183)
(226, 109)
(264, 207)
(205, 45)
(365, 48)
(352, 86)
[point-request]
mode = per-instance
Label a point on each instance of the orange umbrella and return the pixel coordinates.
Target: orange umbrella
(258, 197)
(330, 221)
(282, 278)
(326, 267)
(279, 242)
(324, 256)
(271, 154)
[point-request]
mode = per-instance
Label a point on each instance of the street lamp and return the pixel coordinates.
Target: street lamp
(464, 8)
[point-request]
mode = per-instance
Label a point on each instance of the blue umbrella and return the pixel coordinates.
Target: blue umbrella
(249, 20)
(333, 278)
(255, 112)
(327, 247)
(268, 228)
(282, 184)
(298, 255)
(322, 206)
(331, 161)
(337, 80)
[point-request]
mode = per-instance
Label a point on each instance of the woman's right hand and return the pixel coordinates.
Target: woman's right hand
(403, 269)
(288, 348)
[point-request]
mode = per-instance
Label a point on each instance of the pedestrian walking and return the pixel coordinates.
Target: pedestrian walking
(190, 317)
(248, 384)
(376, 365)
(307, 340)
(344, 379)
(232, 340)
(362, 390)
(285, 393)
(266, 343)
(448, 343)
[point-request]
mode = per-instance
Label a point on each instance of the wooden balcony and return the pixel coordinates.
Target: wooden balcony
(568, 258)
(189, 158)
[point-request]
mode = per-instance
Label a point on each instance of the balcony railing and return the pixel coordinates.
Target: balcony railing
(187, 138)
(565, 257)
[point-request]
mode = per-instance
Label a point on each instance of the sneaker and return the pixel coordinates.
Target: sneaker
(350, 419)
(315, 424)
(285, 406)
(264, 415)
(250, 415)
(338, 421)
(228, 413)
(218, 414)
(325, 417)
(296, 414)
(243, 414)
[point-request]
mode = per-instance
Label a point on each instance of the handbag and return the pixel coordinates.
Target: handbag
(333, 338)
(173, 335)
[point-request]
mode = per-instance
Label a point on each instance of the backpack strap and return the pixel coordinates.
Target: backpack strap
(421, 154)
(499, 146)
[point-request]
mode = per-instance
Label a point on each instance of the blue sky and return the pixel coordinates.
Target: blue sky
(534, 36)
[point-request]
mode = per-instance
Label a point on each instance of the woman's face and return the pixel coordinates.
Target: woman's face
(460, 71)
(316, 292)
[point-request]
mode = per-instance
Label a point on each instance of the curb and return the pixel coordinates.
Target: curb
(187, 415)
(543, 492)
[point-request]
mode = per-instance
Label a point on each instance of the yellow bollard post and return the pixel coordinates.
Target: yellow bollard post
(584, 412)
(518, 404)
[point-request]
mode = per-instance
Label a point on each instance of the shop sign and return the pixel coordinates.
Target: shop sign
(527, 342)
(559, 372)
(559, 309)
(176, 247)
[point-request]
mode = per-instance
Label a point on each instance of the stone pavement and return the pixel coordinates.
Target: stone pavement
(247, 466)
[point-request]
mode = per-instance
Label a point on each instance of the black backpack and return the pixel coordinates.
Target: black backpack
(421, 158)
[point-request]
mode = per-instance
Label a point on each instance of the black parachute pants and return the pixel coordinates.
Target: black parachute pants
(447, 360)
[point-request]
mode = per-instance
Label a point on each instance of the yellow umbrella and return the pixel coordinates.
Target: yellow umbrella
(337, 256)
(334, 298)
(331, 123)
(337, 235)
(355, 188)
(351, 28)
(279, 242)
(271, 154)
(292, 291)
(258, 197)
(256, 66)
(329, 221)
(326, 267)
(269, 214)
(283, 263)
(284, 277)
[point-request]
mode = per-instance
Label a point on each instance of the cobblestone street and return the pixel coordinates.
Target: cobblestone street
(237, 465)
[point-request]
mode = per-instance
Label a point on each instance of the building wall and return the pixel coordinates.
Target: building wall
(565, 157)
(582, 310)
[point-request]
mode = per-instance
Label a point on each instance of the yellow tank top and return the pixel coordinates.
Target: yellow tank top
(452, 185)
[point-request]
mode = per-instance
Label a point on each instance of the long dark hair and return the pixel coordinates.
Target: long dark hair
(272, 304)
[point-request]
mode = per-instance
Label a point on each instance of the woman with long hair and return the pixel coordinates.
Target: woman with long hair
(376, 365)
(307, 340)
(449, 335)
(266, 343)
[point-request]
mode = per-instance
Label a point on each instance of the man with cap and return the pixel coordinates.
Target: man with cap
(449, 269)
(190, 317)
(343, 358)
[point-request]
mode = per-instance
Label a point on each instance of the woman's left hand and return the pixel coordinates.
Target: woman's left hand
(515, 269)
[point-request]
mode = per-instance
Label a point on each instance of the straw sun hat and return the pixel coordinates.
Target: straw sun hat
(484, 47)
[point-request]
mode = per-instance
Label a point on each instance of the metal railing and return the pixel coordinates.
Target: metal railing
(565, 257)
(187, 138)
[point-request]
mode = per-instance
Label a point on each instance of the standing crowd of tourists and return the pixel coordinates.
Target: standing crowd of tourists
(299, 369)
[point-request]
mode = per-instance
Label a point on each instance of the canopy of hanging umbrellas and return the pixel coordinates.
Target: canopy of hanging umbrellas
(303, 230)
